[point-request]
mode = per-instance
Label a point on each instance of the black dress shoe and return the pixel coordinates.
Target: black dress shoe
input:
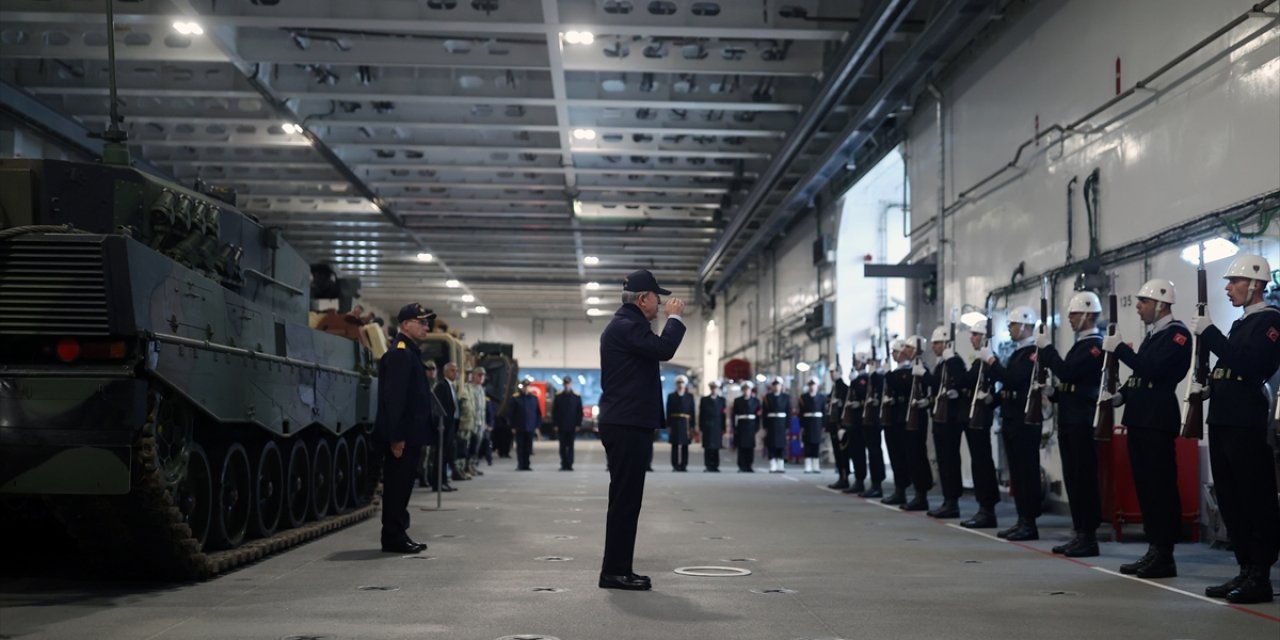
(916, 504)
(1004, 533)
(981, 520)
(1221, 590)
(626, 583)
(858, 487)
(1062, 548)
(1027, 531)
(1162, 566)
(1132, 568)
(842, 483)
(422, 546)
(1086, 548)
(947, 510)
(404, 546)
(1255, 588)
(636, 576)
(874, 492)
(896, 498)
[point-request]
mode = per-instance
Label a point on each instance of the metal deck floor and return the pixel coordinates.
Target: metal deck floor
(854, 568)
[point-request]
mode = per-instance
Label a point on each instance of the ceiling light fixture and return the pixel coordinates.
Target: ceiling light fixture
(579, 37)
(466, 297)
(577, 207)
(188, 28)
(481, 309)
(593, 300)
(1214, 249)
(593, 285)
(590, 261)
(291, 128)
(452, 284)
(584, 134)
(425, 257)
(595, 312)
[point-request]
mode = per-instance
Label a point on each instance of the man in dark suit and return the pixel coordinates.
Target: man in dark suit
(630, 411)
(566, 414)
(403, 425)
(447, 393)
(711, 424)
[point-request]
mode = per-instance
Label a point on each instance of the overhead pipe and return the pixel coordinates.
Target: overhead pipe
(852, 63)
(942, 204)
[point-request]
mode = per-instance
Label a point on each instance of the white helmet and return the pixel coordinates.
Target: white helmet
(979, 327)
(941, 334)
(915, 340)
(862, 356)
(1085, 302)
(747, 384)
(897, 344)
(1024, 315)
(1249, 266)
(1158, 290)
(681, 379)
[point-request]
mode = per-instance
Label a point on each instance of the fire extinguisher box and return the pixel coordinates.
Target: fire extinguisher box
(1120, 498)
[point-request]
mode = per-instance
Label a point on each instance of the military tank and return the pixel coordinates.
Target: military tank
(160, 388)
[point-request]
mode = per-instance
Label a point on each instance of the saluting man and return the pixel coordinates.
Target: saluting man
(1077, 397)
(566, 414)
(777, 416)
(946, 435)
(1021, 440)
(711, 421)
(679, 421)
(1153, 417)
(1243, 470)
(812, 405)
(403, 424)
(746, 411)
(977, 431)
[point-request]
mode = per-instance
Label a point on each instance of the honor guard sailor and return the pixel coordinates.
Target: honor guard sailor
(812, 409)
(711, 423)
(679, 422)
(746, 414)
(1021, 440)
(946, 434)
(777, 419)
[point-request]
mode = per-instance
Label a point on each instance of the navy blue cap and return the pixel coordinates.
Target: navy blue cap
(415, 311)
(641, 281)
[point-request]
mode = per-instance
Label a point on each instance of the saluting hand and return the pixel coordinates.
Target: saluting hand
(674, 307)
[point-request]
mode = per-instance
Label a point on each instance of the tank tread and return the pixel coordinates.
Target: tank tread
(142, 534)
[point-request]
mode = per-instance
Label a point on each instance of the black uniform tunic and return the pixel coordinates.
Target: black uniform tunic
(946, 435)
(777, 415)
(679, 417)
(746, 413)
(711, 422)
(863, 437)
(1153, 418)
(566, 414)
(834, 415)
(404, 415)
(1239, 455)
(812, 411)
(897, 386)
(917, 438)
(1021, 440)
(1076, 395)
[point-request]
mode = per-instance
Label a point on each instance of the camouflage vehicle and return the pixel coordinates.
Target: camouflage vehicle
(159, 385)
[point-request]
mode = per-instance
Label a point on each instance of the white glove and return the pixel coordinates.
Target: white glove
(984, 354)
(919, 371)
(981, 395)
(1199, 389)
(1116, 399)
(887, 400)
(948, 353)
(1110, 343)
(854, 404)
(922, 402)
(840, 434)
(1042, 339)
(880, 370)
(1200, 323)
(1050, 391)
(952, 394)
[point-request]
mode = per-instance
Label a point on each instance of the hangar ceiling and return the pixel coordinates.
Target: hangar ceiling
(511, 140)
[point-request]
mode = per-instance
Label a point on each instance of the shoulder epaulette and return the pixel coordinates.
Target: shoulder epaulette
(400, 345)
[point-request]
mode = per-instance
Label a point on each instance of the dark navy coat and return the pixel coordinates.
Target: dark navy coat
(1015, 380)
(566, 412)
(810, 425)
(711, 421)
(1151, 392)
(1079, 378)
(679, 416)
(630, 386)
(835, 406)
(775, 426)
(1246, 360)
(404, 399)
(956, 376)
(523, 413)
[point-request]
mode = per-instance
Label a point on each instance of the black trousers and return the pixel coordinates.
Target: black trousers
(450, 446)
(811, 449)
(871, 441)
(746, 443)
(502, 438)
(921, 470)
(775, 452)
(895, 440)
(856, 451)
(628, 450)
(398, 475)
(1080, 475)
(524, 448)
(1153, 458)
(1022, 447)
(946, 443)
(1245, 482)
(840, 449)
(679, 456)
(711, 458)
(567, 435)
(982, 464)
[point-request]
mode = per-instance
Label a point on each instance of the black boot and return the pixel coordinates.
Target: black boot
(1221, 590)
(1062, 548)
(1086, 546)
(1004, 533)
(842, 483)
(1132, 568)
(857, 487)
(874, 491)
(983, 519)
(1028, 531)
(1161, 566)
(949, 509)
(1255, 588)
(918, 503)
(899, 497)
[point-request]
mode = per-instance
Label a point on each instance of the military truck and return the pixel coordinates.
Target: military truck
(159, 385)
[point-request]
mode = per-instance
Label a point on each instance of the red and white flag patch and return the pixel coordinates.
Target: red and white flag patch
(1180, 339)
(1095, 352)
(1273, 334)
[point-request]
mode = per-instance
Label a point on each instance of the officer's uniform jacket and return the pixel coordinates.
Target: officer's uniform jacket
(967, 386)
(777, 416)
(1015, 380)
(404, 399)
(897, 385)
(679, 416)
(1246, 360)
(1079, 378)
(711, 421)
(523, 412)
(956, 375)
(811, 416)
(630, 386)
(746, 414)
(1150, 394)
(835, 406)
(566, 412)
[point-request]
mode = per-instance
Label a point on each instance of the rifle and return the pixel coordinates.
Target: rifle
(1193, 423)
(917, 392)
(1104, 418)
(886, 409)
(941, 403)
(979, 411)
(869, 414)
(1033, 412)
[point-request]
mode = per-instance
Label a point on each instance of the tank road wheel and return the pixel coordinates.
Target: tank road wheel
(268, 490)
(174, 425)
(321, 478)
(362, 480)
(297, 485)
(234, 498)
(193, 495)
(341, 475)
